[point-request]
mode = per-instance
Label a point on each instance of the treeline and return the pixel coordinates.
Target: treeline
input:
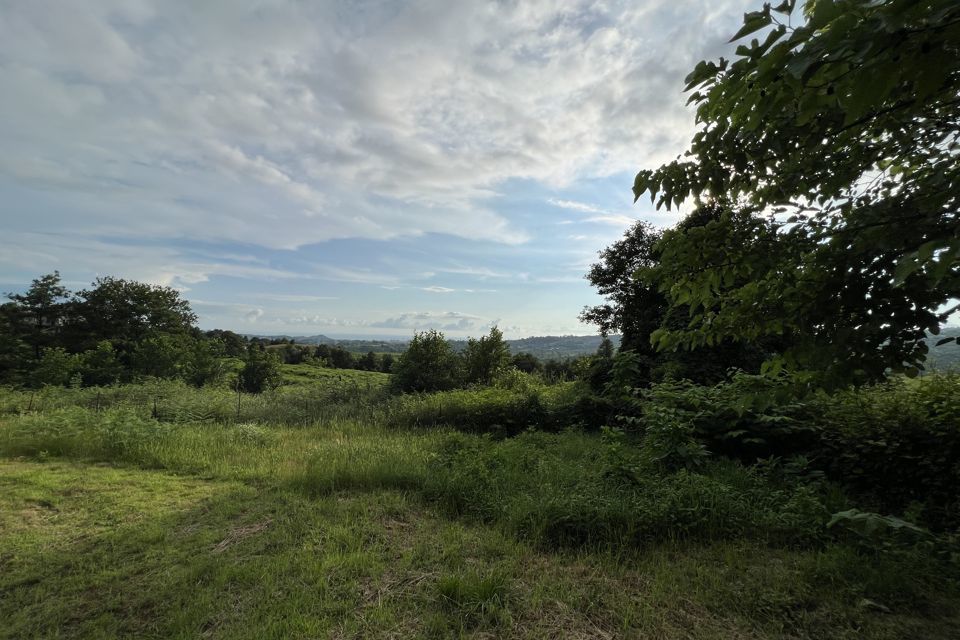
(433, 363)
(115, 331)
(325, 355)
(459, 360)
(120, 331)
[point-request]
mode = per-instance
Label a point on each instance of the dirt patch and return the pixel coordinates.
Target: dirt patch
(237, 534)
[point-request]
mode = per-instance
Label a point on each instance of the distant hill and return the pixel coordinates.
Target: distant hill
(559, 347)
(317, 339)
(943, 358)
(946, 357)
(543, 347)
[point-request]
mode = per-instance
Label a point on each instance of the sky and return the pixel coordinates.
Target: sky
(352, 168)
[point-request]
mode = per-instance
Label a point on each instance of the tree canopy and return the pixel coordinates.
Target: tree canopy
(843, 131)
(428, 364)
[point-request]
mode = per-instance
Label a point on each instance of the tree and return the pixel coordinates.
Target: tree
(845, 131)
(234, 345)
(633, 308)
(40, 311)
(526, 362)
(386, 363)
(260, 372)
(428, 364)
(368, 362)
(125, 312)
(100, 365)
(340, 358)
(14, 352)
(485, 358)
(600, 366)
(160, 355)
(56, 367)
(204, 362)
(636, 308)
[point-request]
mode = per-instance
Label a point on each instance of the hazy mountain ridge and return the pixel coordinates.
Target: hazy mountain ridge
(944, 357)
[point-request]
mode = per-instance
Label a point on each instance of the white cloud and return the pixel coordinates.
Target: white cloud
(278, 297)
(576, 206)
(618, 220)
(284, 123)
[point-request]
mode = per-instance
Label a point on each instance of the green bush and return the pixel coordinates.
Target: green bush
(428, 364)
(260, 372)
(896, 444)
(559, 490)
(893, 445)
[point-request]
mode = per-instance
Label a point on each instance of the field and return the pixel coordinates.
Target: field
(324, 521)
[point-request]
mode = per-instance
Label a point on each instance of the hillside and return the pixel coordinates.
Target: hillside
(543, 347)
(946, 357)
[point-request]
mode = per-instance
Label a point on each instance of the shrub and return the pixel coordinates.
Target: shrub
(428, 364)
(892, 445)
(477, 410)
(897, 444)
(558, 489)
(261, 372)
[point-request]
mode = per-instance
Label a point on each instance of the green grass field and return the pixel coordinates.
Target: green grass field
(113, 524)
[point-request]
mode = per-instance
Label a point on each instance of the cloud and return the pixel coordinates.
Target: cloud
(223, 147)
(287, 123)
(612, 219)
(253, 315)
(576, 206)
(436, 289)
(422, 320)
(27, 252)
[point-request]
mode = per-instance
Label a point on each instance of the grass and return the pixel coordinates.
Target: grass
(98, 551)
(313, 374)
(115, 525)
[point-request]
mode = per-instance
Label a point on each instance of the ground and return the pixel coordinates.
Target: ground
(101, 551)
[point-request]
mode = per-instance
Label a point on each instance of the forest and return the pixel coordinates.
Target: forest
(763, 441)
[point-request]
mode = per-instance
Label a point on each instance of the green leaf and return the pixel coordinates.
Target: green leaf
(785, 7)
(752, 22)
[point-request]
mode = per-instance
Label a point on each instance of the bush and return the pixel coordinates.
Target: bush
(896, 444)
(478, 410)
(893, 444)
(428, 364)
(261, 372)
(559, 490)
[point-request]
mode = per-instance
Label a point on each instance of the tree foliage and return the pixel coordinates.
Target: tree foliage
(260, 372)
(428, 364)
(118, 330)
(638, 309)
(632, 308)
(485, 357)
(125, 312)
(844, 132)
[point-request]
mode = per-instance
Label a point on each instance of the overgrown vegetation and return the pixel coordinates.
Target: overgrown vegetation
(787, 473)
(527, 503)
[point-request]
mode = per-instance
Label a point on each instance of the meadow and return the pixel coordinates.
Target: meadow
(332, 508)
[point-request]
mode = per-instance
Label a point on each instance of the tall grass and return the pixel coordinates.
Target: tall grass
(337, 454)
(175, 401)
(565, 488)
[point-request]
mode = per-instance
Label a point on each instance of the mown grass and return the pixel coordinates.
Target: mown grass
(97, 551)
(115, 524)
